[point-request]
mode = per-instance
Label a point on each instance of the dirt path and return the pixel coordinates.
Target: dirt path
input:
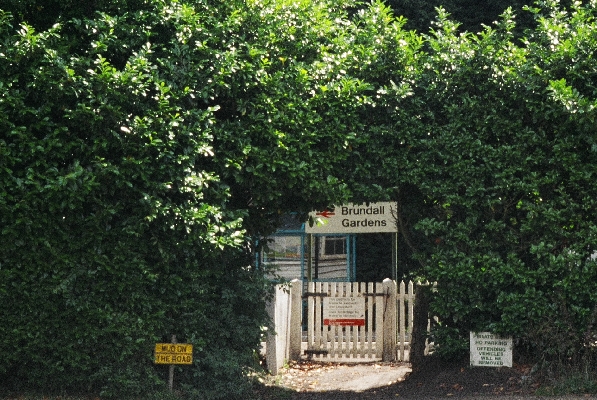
(308, 380)
(354, 377)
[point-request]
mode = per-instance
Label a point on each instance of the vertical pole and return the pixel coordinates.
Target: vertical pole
(303, 252)
(317, 251)
(389, 320)
(309, 257)
(296, 310)
(171, 371)
(395, 256)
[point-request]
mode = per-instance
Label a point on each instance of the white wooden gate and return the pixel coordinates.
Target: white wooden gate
(374, 340)
(405, 298)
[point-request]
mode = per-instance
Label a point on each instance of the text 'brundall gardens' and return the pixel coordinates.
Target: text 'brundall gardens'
(354, 218)
(360, 211)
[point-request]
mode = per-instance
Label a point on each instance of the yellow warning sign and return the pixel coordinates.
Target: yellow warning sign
(173, 353)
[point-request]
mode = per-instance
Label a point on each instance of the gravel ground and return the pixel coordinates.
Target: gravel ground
(381, 381)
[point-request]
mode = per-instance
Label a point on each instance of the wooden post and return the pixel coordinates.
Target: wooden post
(395, 256)
(310, 316)
(401, 321)
(171, 370)
(296, 311)
(389, 320)
(309, 257)
(317, 250)
(411, 308)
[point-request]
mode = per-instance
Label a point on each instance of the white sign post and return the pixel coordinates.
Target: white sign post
(490, 350)
(355, 218)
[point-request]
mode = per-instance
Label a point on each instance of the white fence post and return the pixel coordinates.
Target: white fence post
(296, 311)
(405, 299)
(277, 340)
(401, 321)
(389, 317)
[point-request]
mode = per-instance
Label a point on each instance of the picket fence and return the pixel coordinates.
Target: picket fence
(386, 334)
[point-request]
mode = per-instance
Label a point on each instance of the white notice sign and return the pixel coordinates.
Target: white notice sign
(344, 311)
(489, 350)
(355, 218)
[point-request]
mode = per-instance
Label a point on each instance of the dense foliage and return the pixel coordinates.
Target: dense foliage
(115, 229)
(495, 162)
(143, 144)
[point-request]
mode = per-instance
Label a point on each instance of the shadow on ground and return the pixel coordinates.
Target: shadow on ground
(438, 379)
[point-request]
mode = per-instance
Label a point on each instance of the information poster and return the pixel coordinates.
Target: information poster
(344, 311)
(490, 350)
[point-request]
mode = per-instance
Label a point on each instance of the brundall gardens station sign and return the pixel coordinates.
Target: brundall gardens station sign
(354, 218)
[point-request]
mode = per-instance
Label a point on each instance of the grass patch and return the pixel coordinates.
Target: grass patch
(576, 383)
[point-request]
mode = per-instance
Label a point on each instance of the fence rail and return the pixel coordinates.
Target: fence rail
(328, 342)
(386, 333)
(405, 297)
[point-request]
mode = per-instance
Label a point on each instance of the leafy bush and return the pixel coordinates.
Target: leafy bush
(145, 145)
(500, 149)
(486, 141)
(116, 232)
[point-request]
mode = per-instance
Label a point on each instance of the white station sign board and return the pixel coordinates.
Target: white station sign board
(355, 218)
(490, 350)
